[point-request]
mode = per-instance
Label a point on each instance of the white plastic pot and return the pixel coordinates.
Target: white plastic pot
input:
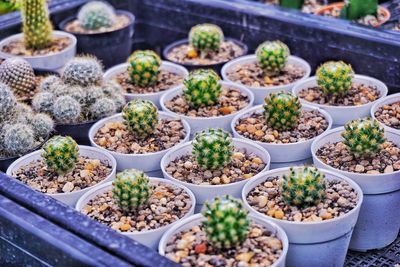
(343, 114)
(154, 97)
(148, 162)
(379, 222)
(209, 192)
(278, 165)
(196, 219)
(261, 92)
(52, 61)
(86, 151)
(322, 243)
(202, 123)
(390, 99)
(148, 238)
(282, 152)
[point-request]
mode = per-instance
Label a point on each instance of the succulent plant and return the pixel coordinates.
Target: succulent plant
(18, 74)
(49, 83)
(141, 117)
(111, 88)
(131, 189)
(282, 111)
(83, 71)
(66, 110)
(36, 23)
(363, 137)
(202, 88)
(103, 107)
(296, 4)
(91, 94)
(335, 77)
(43, 102)
(61, 153)
(18, 139)
(7, 102)
(22, 113)
(303, 187)
(95, 15)
(42, 125)
(226, 223)
(144, 67)
(76, 92)
(7, 6)
(206, 37)
(356, 9)
(272, 56)
(212, 148)
(119, 101)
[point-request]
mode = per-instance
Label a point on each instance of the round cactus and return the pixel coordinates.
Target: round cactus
(18, 139)
(18, 74)
(23, 113)
(212, 149)
(103, 107)
(131, 189)
(335, 77)
(91, 94)
(83, 71)
(206, 37)
(95, 15)
(226, 223)
(363, 137)
(119, 101)
(282, 111)
(49, 83)
(66, 110)
(76, 92)
(43, 102)
(111, 88)
(202, 88)
(61, 154)
(141, 117)
(303, 187)
(144, 67)
(7, 102)
(42, 125)
(272, 56)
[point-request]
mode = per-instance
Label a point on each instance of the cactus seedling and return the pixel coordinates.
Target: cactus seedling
(95, 15)
(272, 57)
(61, 154)
(206, 37)
(18, 74)
(83, 71)
(144, 67)
(66, 110)
(335, 77)
(356, 9)
(18, 139)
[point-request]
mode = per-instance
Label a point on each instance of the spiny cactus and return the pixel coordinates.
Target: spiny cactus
(23, 113)
(91, 94)
(131, 190)
(95, 15)
(141, 117)
(226, 223)
(356, 9)
(206, 37)
(202, 88)
(282, 111)
(119, 102)
(18, 74)
(36, 23)
(83, 71)
(144, 67)
(43, 102)
(76, 92)
(66, 110)
(7, 102)
(61, 154)
(335, 77)
(103, 107)
(303, 187)
(363, 137)
(49, 83)
(272, 56)
(18, 139)
(42, 125)
(296, 4)
(111, 88)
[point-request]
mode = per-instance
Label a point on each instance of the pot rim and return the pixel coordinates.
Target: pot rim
(389, 99)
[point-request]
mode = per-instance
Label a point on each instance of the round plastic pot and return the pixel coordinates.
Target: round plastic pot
(79, 132)
(202, 123)
(313, 243)
(154, 97)
(148, 162)
(196, 219)
(343, 114)
(86, 151)
(281, 152)
(390, 99)
(378, 223)
(277, 165)
(148, 238)
(110, 47)
(261, 92)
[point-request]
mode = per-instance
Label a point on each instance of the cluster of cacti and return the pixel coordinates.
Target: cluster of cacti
(17, 138)
(356, 9)
(272, 56)
(144, 67)
(296, 4)
(7, 102)
(95, 15)
(48, 83)
(202, 88)
(363, 137)
(66, 110)
(140, 117)
(303, 187)
(335, 77)
(61, 153)
(206, 37)
(131, 190)
(83, 71)
(226, 223)
(18, 74)
(282, 111)
(212, 148)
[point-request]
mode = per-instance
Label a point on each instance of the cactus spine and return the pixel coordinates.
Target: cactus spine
(335, 77)
(103, 107)
(61, 154)
(42, 125)
(83, 71)
(66, 110)
(18, 139)
(206, 37)
(144, 67)
(18, 74)
(7, 102)
(272, 56)
(95, 15)
(43, 102)
(356, 9)
(49, 83)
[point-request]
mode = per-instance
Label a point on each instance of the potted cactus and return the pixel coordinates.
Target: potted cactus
(368, 154)
(336, 89)
(205, 47)
(272, 69)
(387, 112)
(145, 76)
(225, 235)
(205, 101)
(64, 170)
(42, 47)
(102, 31)
(137, 206)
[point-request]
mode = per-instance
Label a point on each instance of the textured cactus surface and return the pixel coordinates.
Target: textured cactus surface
(83, 71)
(95, 15)
(61, 154)
(144, 67)
(206, 37)
(272, 56)
(356, 9)
(7, 102)
(103, 107)
(335, 77)
(43, 102)
(18, 74)
(66, 110)
(18, 139)
(49, 83)
(42, 125)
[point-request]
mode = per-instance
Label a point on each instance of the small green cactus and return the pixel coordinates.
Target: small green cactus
(141, 117)
(212, 148)
(103, 107)
(335, 77)
(272, 56)
(95, 15)
(303, 187)
(66, 110)
(356, 9)
(226, 223)
(202, 88)
(295, 4)
(7, 102)
(363, 137)
(42, 125)
(144, 67)
(43, 102)
(83, 71)
(206, 37)
(61, 154)
(49, 83)
(132, 190)
(282, 111)
(18, 74)
(18, 139)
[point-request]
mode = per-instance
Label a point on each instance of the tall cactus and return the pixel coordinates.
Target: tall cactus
(356, 9)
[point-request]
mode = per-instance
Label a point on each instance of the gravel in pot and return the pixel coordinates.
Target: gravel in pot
(387, 111)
